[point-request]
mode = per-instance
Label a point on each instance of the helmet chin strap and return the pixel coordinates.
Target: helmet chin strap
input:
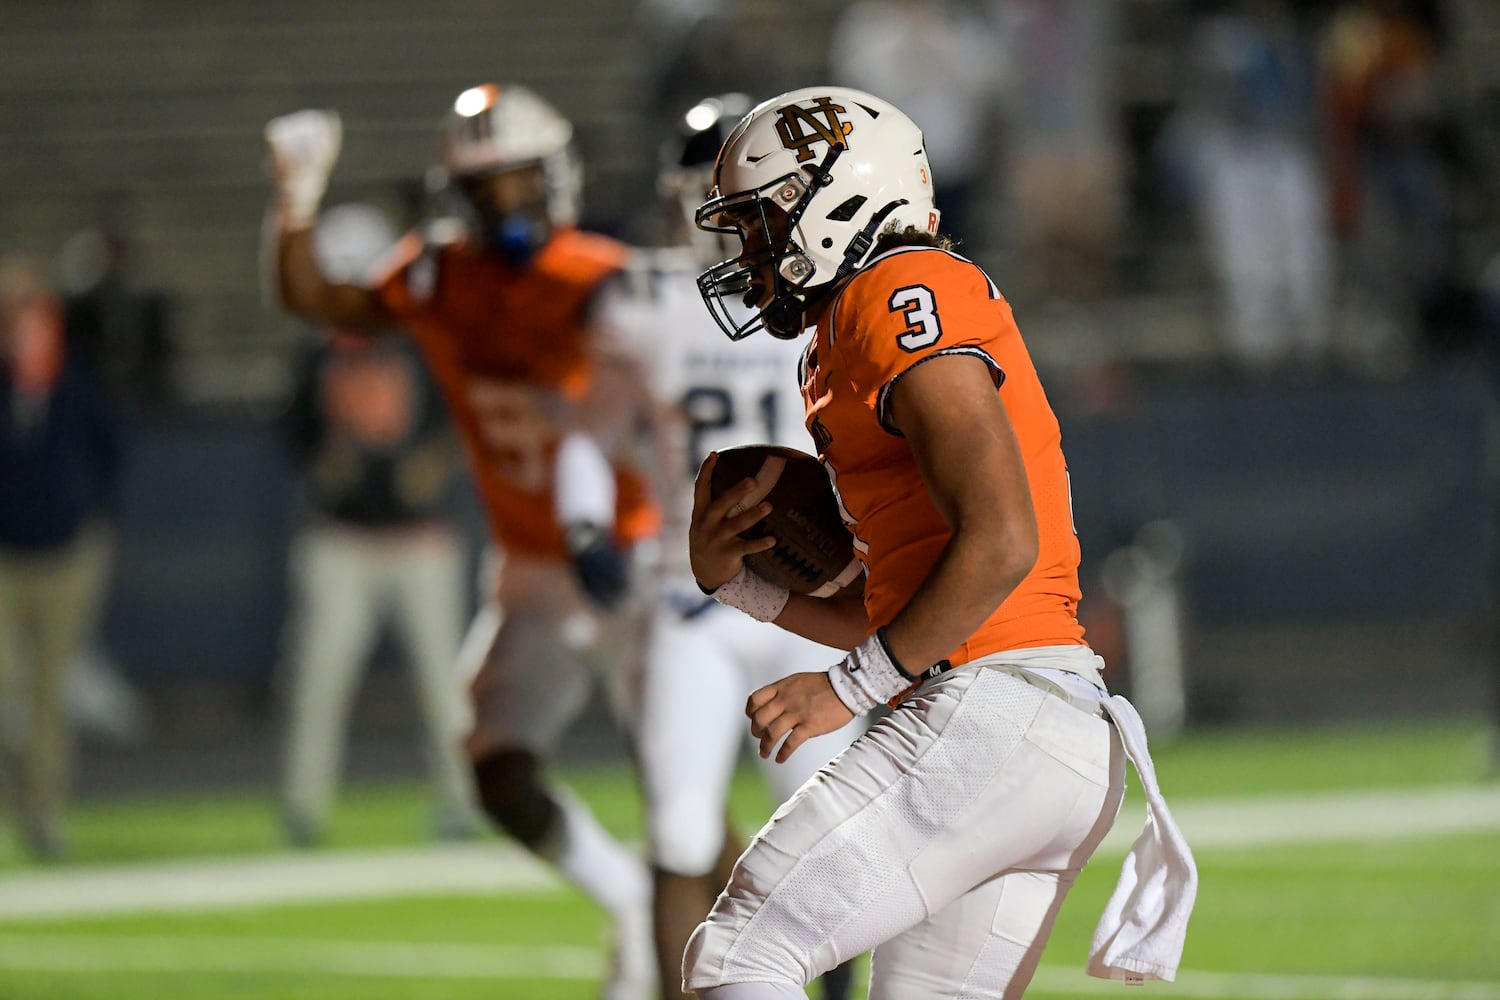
(860, 245)
(786, 317)
(783, 318)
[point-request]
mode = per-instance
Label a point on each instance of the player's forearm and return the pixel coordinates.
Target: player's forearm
(967, 584)
(838, 621)
(971, 465)
(300, 285)
(303, 290)
(993, 546)
(304, 146)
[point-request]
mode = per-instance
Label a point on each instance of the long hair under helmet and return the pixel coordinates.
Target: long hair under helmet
(842, 166)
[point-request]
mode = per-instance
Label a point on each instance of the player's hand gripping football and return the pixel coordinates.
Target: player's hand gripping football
(715, 548)
(304, 146)
(798, 707)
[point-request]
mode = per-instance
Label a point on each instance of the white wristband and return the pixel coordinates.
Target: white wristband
(754, 595)
(868, 677)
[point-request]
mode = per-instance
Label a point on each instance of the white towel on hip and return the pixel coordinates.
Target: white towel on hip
(1142, 930)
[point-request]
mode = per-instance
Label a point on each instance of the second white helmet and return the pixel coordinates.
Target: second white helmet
(843, 166)
(686, 168)
(350, 239)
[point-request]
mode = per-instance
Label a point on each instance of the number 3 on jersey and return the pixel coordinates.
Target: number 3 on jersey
(917, 306)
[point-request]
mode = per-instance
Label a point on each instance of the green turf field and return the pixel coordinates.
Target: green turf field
(1339, 863)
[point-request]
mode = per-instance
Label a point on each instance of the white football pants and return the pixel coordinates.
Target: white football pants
(700, 672)
(945, 838)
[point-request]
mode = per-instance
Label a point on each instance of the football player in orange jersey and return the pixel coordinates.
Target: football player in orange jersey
(503, 308)
(947, 836)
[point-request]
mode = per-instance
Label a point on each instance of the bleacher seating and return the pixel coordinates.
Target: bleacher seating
(160, 105)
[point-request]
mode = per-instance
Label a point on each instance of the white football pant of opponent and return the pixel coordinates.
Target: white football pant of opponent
(703, 660)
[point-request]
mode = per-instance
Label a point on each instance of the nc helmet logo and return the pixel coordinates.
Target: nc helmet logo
(799, 127)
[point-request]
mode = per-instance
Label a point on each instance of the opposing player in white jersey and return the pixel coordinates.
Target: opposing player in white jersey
(704, 659)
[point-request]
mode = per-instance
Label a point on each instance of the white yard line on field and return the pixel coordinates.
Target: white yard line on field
(499, 867)
(484, 867)
(385, 960)
(397, 960)
(1381, 814)
(1267, 986)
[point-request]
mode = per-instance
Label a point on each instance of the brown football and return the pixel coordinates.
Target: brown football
(814, 552)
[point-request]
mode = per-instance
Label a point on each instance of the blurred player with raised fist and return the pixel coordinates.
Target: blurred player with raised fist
(502, 302)
(947, 835)
(704, 659)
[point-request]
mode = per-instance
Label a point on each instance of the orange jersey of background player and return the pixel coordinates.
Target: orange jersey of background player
(510, 349)
(901, 309)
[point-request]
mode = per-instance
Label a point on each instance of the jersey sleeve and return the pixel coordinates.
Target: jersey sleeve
(620, 318)
(909, 308)
(589, 261)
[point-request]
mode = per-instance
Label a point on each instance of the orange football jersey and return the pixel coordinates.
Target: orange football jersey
(902, 308)
(509, 348)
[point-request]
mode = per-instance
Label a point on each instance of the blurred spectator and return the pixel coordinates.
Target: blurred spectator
(1245, 139)
(1487, 318)
(1385, 115)
(119, 329)
(379, 460)
(1064, 147)
(113, 322)
(58, 460)
(940, 62)
(1488, 322)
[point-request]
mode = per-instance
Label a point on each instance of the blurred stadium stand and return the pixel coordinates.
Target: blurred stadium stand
(1340, 530)
(161, 105)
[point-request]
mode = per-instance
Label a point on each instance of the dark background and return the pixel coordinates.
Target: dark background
(1338, 524)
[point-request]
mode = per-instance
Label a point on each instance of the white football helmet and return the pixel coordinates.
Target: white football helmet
(495, 128)
(686, 169)
(818, 174)
(350, 239)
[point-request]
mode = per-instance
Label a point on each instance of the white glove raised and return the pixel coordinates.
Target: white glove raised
(304, 146)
